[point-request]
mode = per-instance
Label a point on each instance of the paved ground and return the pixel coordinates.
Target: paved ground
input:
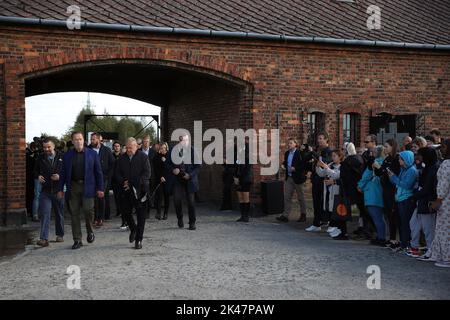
(222, 259)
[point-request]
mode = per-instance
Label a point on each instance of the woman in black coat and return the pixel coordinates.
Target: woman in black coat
(243, 180)
(160, 164)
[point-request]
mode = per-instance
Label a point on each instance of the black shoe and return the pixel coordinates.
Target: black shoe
(341, 237)
(192, 226)
(378, 243)
(242, 219)
(158, 216)
(138, 245)
(283, 219)
(132, 236)
(77, 245)
(165, 216)
(180, 223)
(302, 218)
(90, 238)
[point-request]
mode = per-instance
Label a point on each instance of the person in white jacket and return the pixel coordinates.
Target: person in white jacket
(331, 173)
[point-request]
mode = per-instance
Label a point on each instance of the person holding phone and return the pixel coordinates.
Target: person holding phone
(405, 183)
(323, 150)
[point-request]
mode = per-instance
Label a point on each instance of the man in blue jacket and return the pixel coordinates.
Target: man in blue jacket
(184, 179)
(83, 178)
(405, 183)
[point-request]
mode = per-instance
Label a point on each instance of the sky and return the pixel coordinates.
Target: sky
(55, 113)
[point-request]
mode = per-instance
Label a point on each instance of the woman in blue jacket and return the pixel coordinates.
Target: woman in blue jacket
(370, 185)
(405, 183)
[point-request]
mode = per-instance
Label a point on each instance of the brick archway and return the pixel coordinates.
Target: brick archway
(204, 63)
(13, 185)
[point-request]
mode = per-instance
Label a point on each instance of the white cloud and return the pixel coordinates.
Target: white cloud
(55, 113)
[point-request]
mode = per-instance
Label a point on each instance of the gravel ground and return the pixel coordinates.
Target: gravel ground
(222, 259)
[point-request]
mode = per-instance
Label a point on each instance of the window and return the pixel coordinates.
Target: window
(316, 124)
(351, 128)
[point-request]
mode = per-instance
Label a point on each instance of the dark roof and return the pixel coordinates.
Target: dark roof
(412, 21)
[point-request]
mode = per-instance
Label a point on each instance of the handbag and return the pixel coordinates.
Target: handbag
(342, 209)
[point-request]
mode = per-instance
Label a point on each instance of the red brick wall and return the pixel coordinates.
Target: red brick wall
(218, 105)
(286, 78)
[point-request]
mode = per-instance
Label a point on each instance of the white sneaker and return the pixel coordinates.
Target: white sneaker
(443, 264)
(335, 233)
(331, 229)
(313, 228)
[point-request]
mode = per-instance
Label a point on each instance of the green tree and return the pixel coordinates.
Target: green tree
(124, 126)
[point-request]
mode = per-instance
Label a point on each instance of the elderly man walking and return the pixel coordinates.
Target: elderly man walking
(133, 174)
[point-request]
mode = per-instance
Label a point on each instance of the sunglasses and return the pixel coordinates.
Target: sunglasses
(367, 141)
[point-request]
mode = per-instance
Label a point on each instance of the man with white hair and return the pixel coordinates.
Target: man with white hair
(133, 174)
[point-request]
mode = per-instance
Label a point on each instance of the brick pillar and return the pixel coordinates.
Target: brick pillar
(14, 146)
(2, 145)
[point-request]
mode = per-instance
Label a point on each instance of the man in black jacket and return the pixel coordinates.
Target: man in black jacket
(425, 217)
(102, 207)
(294, 166)
(47, 170)
(183, 182)
(133, 174)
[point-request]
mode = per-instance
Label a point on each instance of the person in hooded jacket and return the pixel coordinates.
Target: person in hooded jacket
(425, 218)
(405, 183)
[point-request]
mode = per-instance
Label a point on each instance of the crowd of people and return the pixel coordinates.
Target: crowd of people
(402, 193)
(79, 177)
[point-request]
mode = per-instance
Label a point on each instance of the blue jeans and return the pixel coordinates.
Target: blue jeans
(377, 215)
(37, 193)
(405, 211)
(48, 201)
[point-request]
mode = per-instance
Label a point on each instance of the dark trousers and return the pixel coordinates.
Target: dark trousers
(118, 202)
(159, 195)
(368, 225)
(405, 210)
(391, 213)
(317, 195)
(226, 196)
(180, 193)
(129, 203)
(102, 209)
(341, 225)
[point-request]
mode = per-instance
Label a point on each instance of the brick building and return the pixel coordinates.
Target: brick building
(302, 66)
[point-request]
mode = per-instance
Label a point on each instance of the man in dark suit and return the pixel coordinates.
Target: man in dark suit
(150, 152)
(83, 178)
(102, 208)
(133, 174)
(184, 165)
(295, 180)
